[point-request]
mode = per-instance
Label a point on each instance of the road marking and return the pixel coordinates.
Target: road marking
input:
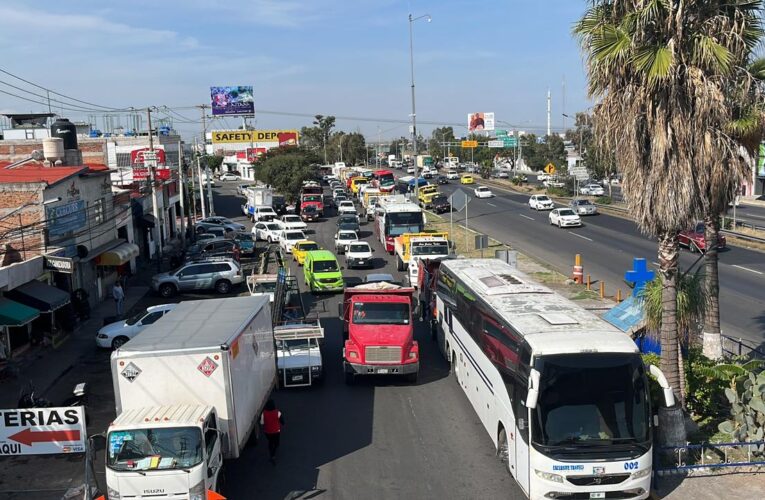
(526, 217)
(580, 236)
(747, 269)
(752, 215)
(491, 204)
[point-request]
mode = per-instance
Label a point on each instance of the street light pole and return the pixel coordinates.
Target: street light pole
(414, 112)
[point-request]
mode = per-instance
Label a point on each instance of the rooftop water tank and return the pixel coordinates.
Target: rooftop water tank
(65, 130)
(53, 149)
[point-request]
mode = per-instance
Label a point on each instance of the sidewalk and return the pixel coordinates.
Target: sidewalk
(730, 486)
(44, 366)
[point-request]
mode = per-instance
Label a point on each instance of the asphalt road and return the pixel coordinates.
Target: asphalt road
(607, 245)
(381, 438)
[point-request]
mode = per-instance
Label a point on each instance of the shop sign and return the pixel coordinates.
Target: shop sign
(59, 264)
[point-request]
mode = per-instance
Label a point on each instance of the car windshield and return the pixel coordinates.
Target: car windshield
(267, 210)
(482, 188)
(154, 449)
(591, 400)
(543, 198)
(132, 320)
(293, 344)
(433, 248)
(294, 235)
(348, 236)
(380, 313)
(307, 247)
(374, 278)
(359, 248)
(346, 204)
(325, 266)
(244, 237)
(292, 218)
(273, 227)
(345, 219)
(566, 212)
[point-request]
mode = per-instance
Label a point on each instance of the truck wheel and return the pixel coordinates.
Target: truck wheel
(223, 287)
(350, 378)
(167, 290)
(119, 342)
(412, 377)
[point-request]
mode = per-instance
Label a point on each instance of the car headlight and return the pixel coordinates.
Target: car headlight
(112, 494)
(549, 476)
(197, 492)
(353, 354)
(641, 473)
(102, 336)
(315, 368)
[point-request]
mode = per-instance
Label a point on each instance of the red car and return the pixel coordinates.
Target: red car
(695, 241)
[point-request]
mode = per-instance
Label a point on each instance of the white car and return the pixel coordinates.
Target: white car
(410, 170)
(565, 217)
(343, 238)
(553, 182)
(228, 176)
(346, 207)
(267, 231)
(114, 335)
(542, 177)
(452, 174)
(288, 238)
(483, 192)
(293, 222)
(541, 202)
(359, 254)
(263, 213)
(592, 189)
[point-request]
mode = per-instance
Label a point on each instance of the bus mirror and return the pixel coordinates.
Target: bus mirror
(533, 394)
(669, 396)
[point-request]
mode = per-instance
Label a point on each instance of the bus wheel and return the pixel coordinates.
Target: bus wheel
(455, 369)
(503, 450)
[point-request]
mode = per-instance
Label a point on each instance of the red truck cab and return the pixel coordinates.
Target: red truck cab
(312, 199)
(379, 332)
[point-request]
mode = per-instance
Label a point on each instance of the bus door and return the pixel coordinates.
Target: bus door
(521, 414)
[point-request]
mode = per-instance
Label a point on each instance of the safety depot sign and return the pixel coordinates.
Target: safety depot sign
(42, 431)
(282, 137)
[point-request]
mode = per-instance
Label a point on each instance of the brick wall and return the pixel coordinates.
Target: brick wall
(93, 149)
(21, 235)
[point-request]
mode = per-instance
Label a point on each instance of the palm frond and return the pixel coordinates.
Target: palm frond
(654, 61)
(610, 43)
(757, 69)
(709, 53)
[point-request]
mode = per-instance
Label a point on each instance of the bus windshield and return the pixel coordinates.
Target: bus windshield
(154, 449)
(591, 400)
(403, 222)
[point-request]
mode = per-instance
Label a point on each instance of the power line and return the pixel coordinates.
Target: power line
(37, 102)
(45, 97)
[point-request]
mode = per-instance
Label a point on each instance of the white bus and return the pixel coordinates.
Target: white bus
(562, 393)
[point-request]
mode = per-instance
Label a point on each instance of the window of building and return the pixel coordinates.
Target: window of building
(98, 211)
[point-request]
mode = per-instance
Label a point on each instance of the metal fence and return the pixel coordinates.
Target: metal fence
(696, 457)
(742, 348)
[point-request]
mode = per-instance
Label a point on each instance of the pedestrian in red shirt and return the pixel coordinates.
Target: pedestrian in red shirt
(272, 421)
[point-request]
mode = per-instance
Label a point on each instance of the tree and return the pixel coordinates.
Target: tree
(213, 162)
(537, 154)
(286, 172)
(660, 71)
(325, 124)
(440, 135)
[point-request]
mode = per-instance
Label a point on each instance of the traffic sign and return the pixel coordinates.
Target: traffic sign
(458, 200)
(497, 144)
(550, 168)
(42, 431)
(510, 142)
(469, 144)
(500, 133)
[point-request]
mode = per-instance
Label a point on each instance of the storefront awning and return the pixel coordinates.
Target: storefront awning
(118, 256)
(16, 314)
(42, 297)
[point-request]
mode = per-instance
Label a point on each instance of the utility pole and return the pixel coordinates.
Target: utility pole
(201, 185)
(193, 190)
(563, 104)
(182, 189)
(548, 112)
(209, 190)
(154, 198)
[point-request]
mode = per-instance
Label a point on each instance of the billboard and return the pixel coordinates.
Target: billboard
(138, 156)
(66, 218)
(281, 137)
(141, 174)
(251, 155)
(480, 121)
(232, 100)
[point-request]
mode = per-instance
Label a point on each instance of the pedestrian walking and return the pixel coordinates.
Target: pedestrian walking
(119, 297)
(272, 421)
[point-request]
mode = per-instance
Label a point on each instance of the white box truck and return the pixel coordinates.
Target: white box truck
(257, 197)
(188, 393)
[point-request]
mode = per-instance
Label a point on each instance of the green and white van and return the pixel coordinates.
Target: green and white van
(322, 272)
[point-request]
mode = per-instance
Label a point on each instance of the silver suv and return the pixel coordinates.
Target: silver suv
(218, 274)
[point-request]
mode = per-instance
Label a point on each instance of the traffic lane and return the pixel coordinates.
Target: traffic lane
(750, 214)
(382, 434)
(607, 254)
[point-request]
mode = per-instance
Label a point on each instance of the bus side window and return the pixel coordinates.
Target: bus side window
(520, 411)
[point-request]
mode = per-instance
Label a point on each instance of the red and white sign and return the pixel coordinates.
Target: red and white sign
(141, 174)
(42, 431)
(138, 156)
(207, 366)
(251, 155)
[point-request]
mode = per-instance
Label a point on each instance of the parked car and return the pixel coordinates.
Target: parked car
(267, 231)
(359, 254)
(583, 207)
(223, 221)
(219, 275)
(346, 207)
(288, 238)
(553, 182)
(218, 247)
(114, 335)
(483, 192)
(541, 202)
(246, 242)
(695, 240)
(210, 232)
(211, 236)
(592, 190)
(564, 217)
(501, 174)
(301, 248)
(343, 238)
(229, 176)
(293, 222)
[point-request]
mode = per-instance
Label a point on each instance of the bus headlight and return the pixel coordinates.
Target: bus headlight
(549, 476)
(197, 492)
(112, 494)
(641, 473)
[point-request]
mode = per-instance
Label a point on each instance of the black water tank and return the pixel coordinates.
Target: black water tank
(65, 130)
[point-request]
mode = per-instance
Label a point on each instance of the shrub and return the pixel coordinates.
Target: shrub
(553, 191)
(705, 392)
(603, 200)
(747, 400)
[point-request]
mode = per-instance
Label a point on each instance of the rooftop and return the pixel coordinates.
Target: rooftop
(37, 172)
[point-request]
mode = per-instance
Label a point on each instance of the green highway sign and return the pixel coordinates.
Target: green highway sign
(500, 133)
(510, 142)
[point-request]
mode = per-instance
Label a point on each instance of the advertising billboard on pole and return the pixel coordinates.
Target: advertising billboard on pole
(231, 101)
(480, 121)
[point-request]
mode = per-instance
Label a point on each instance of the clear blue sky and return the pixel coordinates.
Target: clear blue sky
(345, 57)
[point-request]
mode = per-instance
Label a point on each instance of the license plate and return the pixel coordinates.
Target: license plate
(598, 495)
(360, 262)
(382, 370)
(297, 378)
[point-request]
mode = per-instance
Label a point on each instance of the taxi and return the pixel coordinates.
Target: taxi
(301, 248)
(467, 179)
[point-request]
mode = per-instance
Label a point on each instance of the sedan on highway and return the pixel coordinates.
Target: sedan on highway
(359, 254)
(583, 207)
(483, 192)
(267, 231)
(564, 217)
(114, 335)
(696, 241)
(293, 222)
(343, 238)
(301, 248)
(289, 237)
(541, 202)
(592, 190)
(467, 179)
(346, 207)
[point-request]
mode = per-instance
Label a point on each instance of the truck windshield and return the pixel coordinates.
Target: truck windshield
(154, 449)
(264, 287)
(439, 248)
(592, 400)
(404, 222)
(380, 313)
(324, 266)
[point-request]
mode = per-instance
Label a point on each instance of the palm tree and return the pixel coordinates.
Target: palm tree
(662, 72)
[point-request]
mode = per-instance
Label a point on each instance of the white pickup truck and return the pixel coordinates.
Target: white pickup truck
(298, 354)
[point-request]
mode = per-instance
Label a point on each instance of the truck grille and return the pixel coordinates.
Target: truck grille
(382, 354)
(327, 280)
(597, 479)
